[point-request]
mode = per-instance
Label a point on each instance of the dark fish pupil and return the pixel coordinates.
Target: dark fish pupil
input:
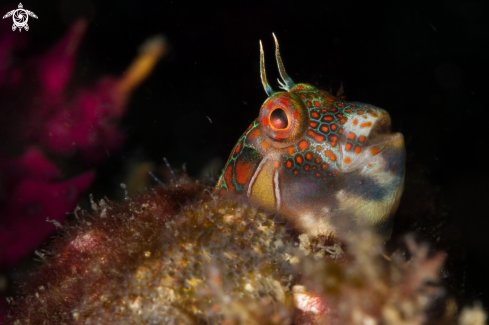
(278, 119)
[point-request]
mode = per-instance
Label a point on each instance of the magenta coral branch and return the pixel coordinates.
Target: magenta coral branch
(56, 66)
(33, 194)
(35, 113)
(31, 204)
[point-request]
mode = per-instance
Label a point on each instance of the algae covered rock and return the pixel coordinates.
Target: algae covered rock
(172, 255)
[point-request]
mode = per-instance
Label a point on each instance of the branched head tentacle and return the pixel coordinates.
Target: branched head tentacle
(263, 73)
(282, 85)
(289, 83)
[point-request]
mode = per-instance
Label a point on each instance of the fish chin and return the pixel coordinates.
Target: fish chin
(377, 187)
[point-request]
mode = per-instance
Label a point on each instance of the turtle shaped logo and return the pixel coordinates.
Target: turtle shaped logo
(20, 17)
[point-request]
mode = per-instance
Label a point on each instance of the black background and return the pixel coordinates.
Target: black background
(425, 62)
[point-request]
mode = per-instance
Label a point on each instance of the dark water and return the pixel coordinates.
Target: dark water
(423, 61)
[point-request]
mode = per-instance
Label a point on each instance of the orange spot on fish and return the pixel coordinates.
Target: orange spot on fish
(315, 136)
(334, 127)
(307, 167)
(316, 103)
(238, 148)
(351, 136)
(328, 118)
(296, 172)
(318, 160)
(366, 124)
(275, 164)
(324, 166)
(319, 148)
(358, 150)
(355, 122)
(290, 150)
(308, 104)
(288, 164)
(298, 159)
(315, 114)
(242, 172)
(308, 156)
(340, 104)
(324, 128)
(332, 157)
(318, 174)
(348, 147)
(362, 138)
(313, 124)
(254, 134)
(228, 175)
(303, 145)
(372, 113)
(264, 144)
(347, 160)
(374, 151)
(360, 112)
(285, 101)
(328, 152)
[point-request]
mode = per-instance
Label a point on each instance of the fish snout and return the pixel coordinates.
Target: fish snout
(366, 136)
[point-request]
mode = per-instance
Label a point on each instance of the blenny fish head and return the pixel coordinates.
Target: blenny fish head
(322, 162)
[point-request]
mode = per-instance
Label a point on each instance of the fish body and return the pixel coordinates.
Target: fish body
(321, 161)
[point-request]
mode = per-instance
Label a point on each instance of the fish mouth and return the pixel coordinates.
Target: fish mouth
(381, 133)
(378, 140)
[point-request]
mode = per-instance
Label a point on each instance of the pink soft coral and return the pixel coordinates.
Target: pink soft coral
(37, 117)
(32, 196)
(87, 125)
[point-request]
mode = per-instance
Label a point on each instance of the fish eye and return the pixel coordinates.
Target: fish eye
(284, 119)
(278, 119)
